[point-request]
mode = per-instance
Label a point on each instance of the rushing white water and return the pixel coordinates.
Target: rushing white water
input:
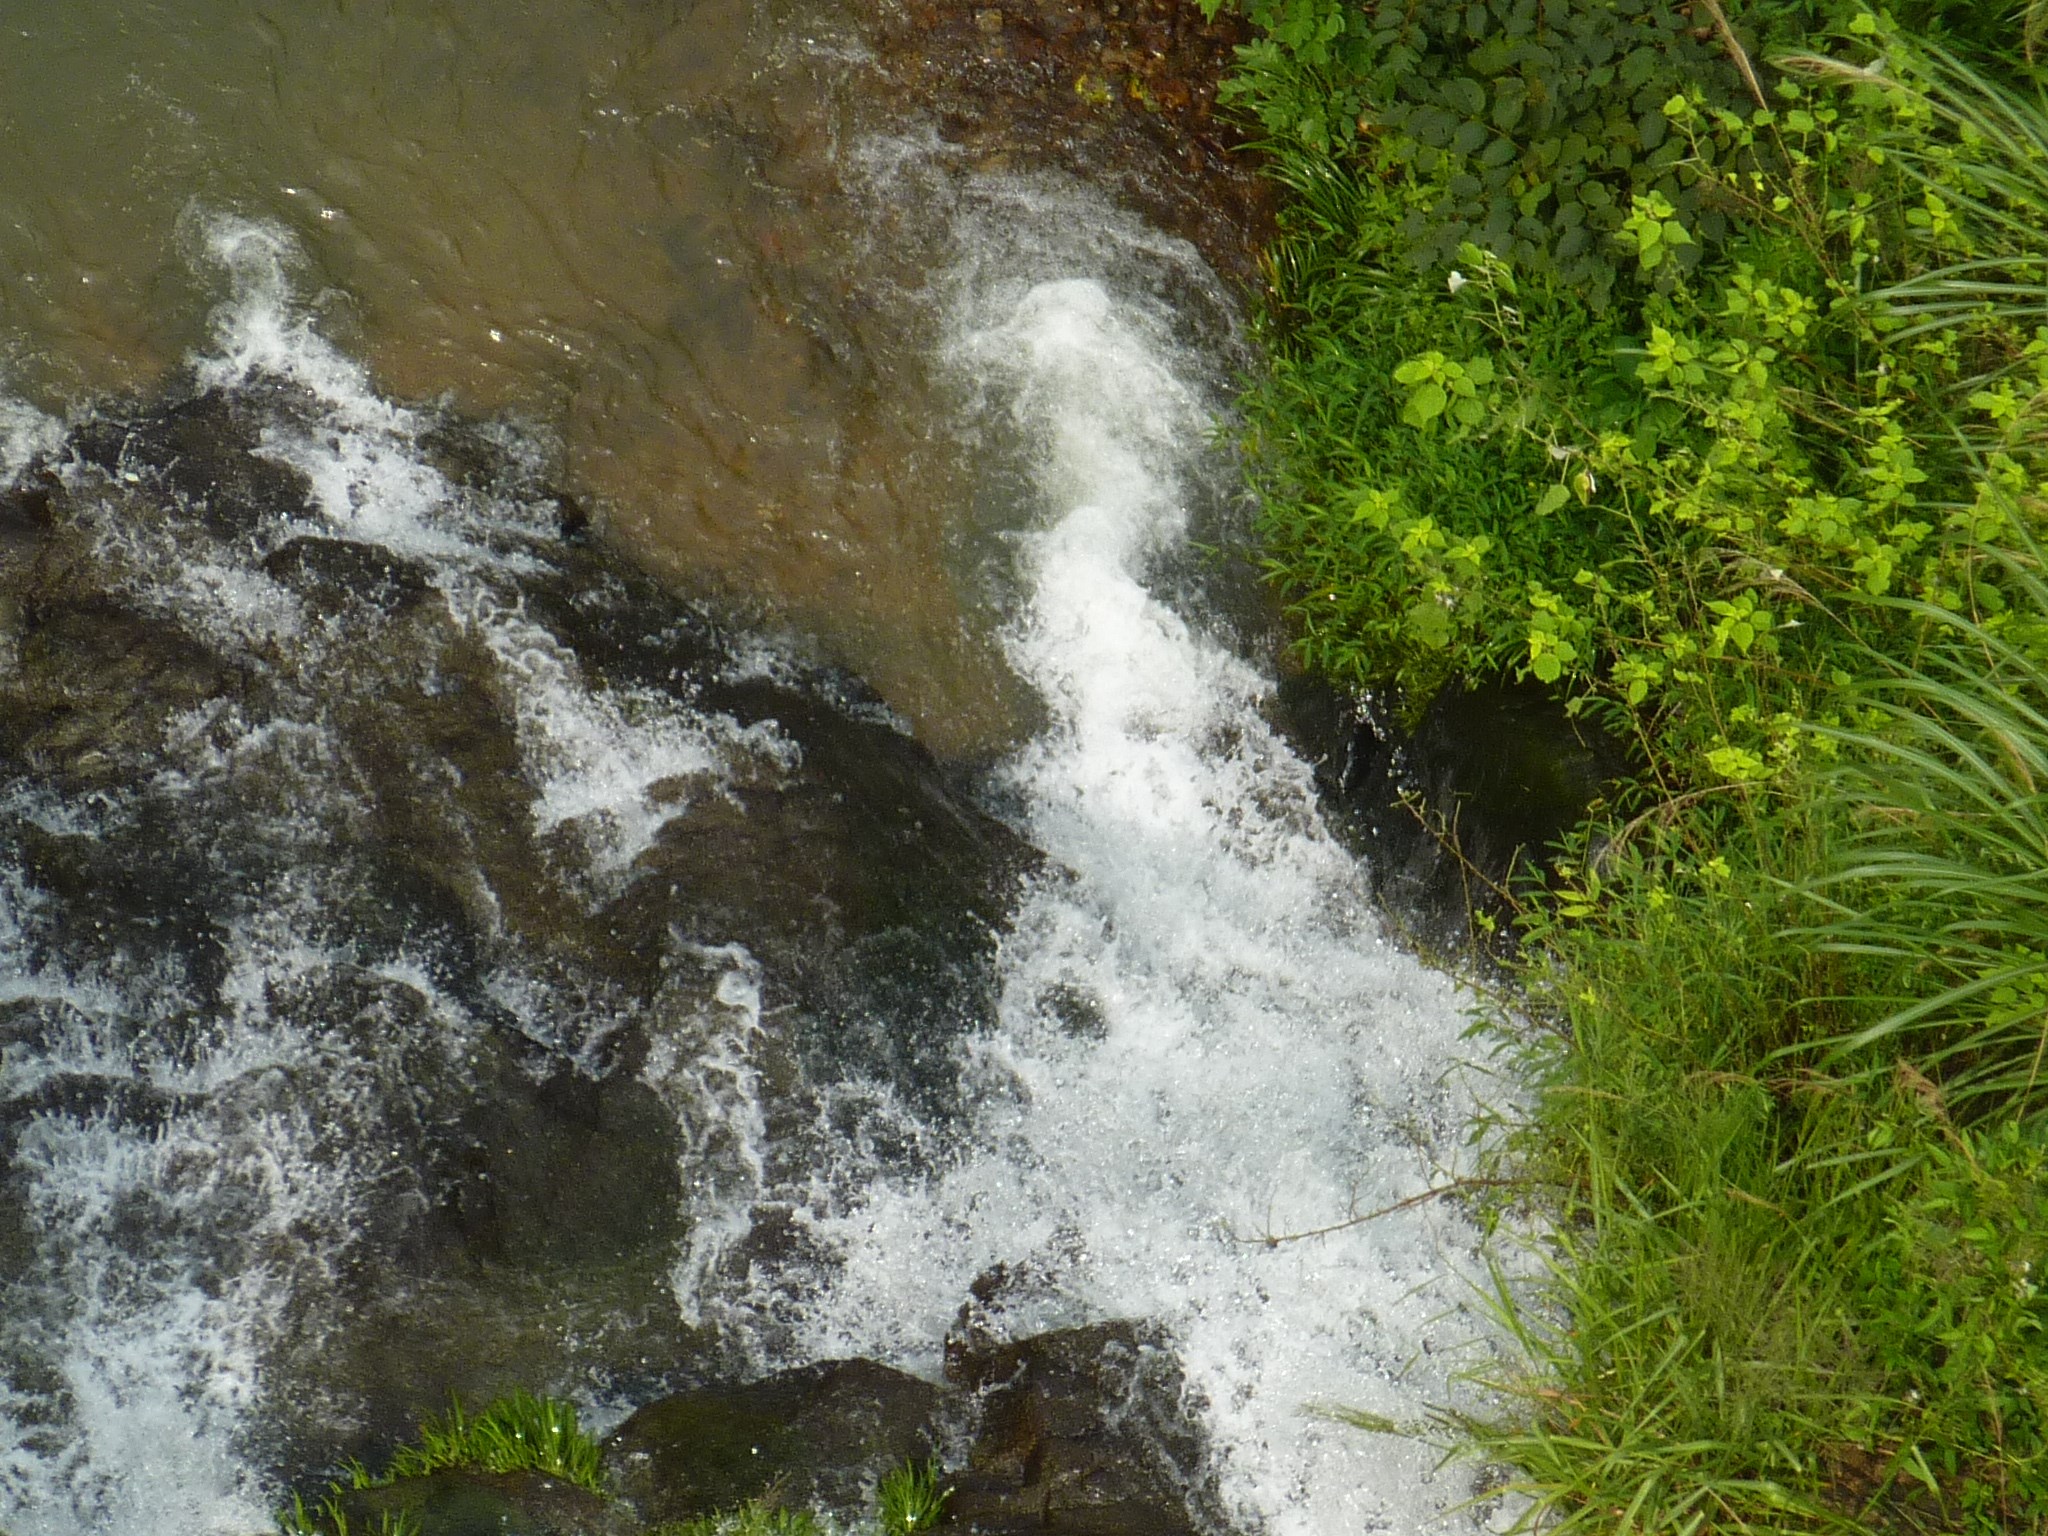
(169, 1242)
(612, 763)
(246, 1133)
(1262, 1061)
(1203, 1039)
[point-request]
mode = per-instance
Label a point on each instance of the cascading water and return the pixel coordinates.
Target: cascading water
(1203, 1036)
(397, 862)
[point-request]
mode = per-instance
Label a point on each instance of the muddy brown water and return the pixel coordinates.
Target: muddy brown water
(659, 231)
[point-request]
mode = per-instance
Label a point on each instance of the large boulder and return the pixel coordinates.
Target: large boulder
(1083, 1430)
(821, 1436)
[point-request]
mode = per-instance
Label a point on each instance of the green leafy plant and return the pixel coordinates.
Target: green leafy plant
(1527, 127)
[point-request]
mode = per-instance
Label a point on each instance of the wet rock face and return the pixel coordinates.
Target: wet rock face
(269, 783)
(1501, 773)
(1122, 91)
(1083, 1430)
(819, 1437)
(463, 1503)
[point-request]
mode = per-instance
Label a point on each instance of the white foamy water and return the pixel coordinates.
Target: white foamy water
(176, 1235)
(171, 1228)
(24, 433)
(614, 764)
(1260, 1059)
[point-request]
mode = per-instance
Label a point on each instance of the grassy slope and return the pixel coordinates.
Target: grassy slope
(1762, 496)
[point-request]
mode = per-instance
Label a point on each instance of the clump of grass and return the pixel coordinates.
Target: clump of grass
(910, 1499)
(1946, 874)
(328, 1518)
(519, 1433)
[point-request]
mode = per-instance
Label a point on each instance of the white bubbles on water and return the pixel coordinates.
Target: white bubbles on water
(1204, 1037)
(614, 764)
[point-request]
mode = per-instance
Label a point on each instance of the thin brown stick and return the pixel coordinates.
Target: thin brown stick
(1434, 1192)
(1735, 50)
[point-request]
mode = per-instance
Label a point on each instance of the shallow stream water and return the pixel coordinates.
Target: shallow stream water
(620, 765)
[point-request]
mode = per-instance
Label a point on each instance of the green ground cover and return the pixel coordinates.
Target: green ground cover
(1693, 361)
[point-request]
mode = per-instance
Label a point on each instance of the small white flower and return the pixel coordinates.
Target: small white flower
(1456, 280)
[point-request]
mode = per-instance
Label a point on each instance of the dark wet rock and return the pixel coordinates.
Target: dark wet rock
(457, 1502)
(334, 573)
(821, 1437)
(1498, 773)
(204, 451)
(93, 683)
(27, 508)
(1083, 1430)
(570, 1168)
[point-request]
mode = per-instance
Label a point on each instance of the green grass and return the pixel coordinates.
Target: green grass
(754, 1518)
(911, 1499)
(523, 1433)
(519, 1433)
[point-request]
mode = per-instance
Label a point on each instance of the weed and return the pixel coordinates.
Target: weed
(910, 1499)
(519, 1433)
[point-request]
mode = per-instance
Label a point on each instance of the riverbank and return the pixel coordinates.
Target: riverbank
(1681, 360)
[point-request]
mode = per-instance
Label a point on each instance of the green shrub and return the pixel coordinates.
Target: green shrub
(1766, 503)
(1526, 127)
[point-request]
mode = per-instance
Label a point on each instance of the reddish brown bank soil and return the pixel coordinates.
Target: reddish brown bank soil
(1122, 91)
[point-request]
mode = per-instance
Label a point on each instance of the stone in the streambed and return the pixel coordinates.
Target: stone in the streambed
(333, 574)
(205, 451)
(458, 1502)
(1084, 1430)
(571, 1169)
(821, 1436)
